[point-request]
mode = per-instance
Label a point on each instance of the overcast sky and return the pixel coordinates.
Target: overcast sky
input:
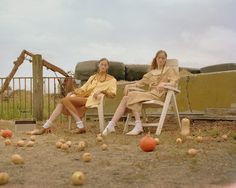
(197, 32)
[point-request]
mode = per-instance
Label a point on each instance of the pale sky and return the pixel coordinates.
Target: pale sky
(196, 32)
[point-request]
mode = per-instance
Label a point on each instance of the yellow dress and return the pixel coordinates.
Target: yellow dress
(152, 79)
(108, 87)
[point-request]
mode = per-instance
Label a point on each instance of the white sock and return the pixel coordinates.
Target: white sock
(80, 124)
(111, 124)
(47, 124)
(138, 125)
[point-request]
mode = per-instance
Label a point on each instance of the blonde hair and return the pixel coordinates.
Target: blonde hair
(154, 61)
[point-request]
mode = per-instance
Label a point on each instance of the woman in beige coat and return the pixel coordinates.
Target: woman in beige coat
(159, 76)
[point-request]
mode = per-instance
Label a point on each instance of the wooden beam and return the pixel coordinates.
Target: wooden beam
(37, 87)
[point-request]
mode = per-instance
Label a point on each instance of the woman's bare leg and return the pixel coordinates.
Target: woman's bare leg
(120, 110)
(118, 114)
(138, 128)
(56, 112)
(70, 103)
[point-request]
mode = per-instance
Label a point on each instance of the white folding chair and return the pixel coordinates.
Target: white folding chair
(99, 108)
(170, 101)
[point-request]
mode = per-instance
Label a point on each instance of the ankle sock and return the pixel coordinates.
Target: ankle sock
(138, 125)
(80, 124)
(47, 124)
(111, 124)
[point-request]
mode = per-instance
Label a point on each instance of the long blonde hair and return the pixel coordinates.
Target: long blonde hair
(154, 61)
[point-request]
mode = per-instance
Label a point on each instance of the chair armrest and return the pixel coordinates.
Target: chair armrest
(172, 88)
(102, 98)
(135, 89)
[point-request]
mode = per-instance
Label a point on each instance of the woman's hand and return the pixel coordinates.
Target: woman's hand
(69, 94)
(161, 85)
(96, 94)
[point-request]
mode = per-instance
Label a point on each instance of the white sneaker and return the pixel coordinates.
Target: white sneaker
(109, 129)
(135, 131)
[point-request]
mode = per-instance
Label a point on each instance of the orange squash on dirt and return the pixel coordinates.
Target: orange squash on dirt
(7, 133)
(147, 143)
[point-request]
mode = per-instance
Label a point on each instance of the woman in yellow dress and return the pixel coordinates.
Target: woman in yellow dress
(159, 76)
(76, 103)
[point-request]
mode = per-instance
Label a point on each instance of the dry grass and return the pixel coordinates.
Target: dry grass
(124, 164)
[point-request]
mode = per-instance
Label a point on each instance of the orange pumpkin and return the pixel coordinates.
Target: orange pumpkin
(7, 133)
(147, 143)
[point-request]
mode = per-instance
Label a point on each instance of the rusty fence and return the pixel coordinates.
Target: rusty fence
(16, 102)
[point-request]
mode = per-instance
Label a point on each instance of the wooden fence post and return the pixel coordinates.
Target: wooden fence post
(37, 65)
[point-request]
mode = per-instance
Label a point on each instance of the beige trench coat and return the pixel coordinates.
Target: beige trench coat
(152, 79)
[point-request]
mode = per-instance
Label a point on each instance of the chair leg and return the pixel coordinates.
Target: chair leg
(84, 119)
(164, 112)
(144, 114)
(126, 123)
(101, 117)
(176, 111)
(69, 122)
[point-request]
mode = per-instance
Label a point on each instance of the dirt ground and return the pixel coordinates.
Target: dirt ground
(124, 164)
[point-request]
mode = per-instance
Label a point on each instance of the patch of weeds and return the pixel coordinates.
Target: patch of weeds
(214, 132)
(194, 164)
(233, 135)
(232, 150)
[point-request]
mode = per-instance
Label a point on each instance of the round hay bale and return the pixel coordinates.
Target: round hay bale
(219, 68)
(85, 69)
(135, 72)
(117, 69)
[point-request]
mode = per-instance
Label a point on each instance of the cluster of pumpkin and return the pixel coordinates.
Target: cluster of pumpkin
(193, 151)
(7, 134)
(78, 177)
(16, 158)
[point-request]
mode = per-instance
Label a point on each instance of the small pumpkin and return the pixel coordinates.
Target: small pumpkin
(78, 178)
(7, 142)
(104, 147)
(4, 178)
(87, 157)
(17, 159)
(7, 133)
(147, 143)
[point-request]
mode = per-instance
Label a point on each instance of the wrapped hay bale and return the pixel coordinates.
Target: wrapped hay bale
(85, 69)
(219, 68)
(135, 72)
(117, 69)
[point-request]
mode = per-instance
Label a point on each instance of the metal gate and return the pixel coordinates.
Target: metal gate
(17, 100)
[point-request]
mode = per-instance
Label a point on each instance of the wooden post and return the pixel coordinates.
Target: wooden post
(37, 87)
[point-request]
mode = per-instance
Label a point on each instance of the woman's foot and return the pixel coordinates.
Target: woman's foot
(41, 131)
(79, 131)
(135, 131)
(109, 129)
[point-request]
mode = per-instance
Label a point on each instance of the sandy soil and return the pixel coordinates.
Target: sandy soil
(124, 164)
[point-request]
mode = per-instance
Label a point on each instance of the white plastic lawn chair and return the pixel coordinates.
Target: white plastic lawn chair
(170, 101)
(99, 108)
